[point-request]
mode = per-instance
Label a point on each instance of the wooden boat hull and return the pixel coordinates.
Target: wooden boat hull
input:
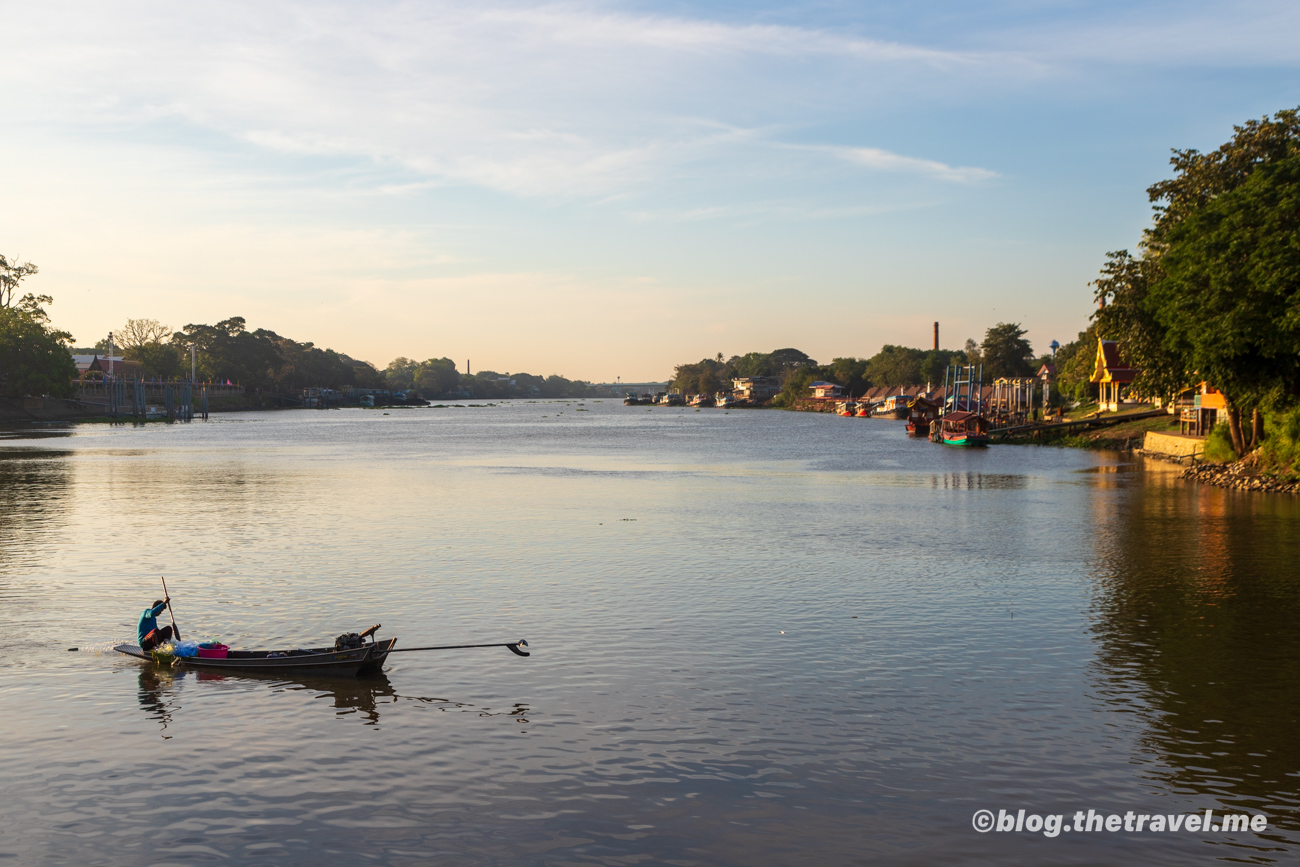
(969, 441)
(326, 661)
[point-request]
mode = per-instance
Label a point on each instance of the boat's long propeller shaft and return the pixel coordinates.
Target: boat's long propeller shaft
(513, 647)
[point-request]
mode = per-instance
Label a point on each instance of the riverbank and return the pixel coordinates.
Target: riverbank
(1124, 436)
(46, 410)
(1239, 477)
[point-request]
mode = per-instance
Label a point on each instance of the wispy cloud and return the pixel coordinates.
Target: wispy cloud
(876, 158)
(577, 99)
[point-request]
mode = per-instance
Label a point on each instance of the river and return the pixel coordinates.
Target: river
(759, 638)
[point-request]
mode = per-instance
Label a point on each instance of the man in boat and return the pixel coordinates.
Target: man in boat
(150, 635)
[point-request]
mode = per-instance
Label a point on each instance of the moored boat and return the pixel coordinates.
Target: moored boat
(921, 411)
(725, 400)
(894, 406)
(964, 429)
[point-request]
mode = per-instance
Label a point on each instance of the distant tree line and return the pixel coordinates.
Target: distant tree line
(36, 359)
(259, 360)
(438, 377)
(1004, 352)
(262, 360)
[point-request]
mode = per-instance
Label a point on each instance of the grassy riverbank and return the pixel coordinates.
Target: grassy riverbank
(1122, 436)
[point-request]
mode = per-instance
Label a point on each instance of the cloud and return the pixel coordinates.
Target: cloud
(551, 100)
(884, 160)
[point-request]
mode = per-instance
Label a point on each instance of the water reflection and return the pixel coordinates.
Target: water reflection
(362, 697)
(34, 486)
(159, 689)
(1198, 602)
(980, 482)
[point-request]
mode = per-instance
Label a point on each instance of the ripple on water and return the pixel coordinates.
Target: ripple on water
(759, 638)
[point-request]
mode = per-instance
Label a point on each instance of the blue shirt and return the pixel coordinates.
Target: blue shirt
(149, 620)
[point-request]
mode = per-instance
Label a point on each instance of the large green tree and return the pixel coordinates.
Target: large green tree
(1230, 296)
(165, 360)
(896, 365)
(1128, 314)
(852, 373)
(34, 358)
(1006, 352)
(1213, 296)
(706, 376)
(1074, 364)
(400, 373)
(436, 376)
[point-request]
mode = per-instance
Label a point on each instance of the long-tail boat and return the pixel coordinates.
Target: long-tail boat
(349, 662)
(360, 658)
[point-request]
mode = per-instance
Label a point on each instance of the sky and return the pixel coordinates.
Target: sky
(604, 190)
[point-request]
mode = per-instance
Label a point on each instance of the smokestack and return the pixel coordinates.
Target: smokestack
(936, 336)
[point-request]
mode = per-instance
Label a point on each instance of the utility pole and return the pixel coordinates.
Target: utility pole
(110, 355)
(191, 362)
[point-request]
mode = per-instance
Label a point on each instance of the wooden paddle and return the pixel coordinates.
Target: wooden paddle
(175, 630)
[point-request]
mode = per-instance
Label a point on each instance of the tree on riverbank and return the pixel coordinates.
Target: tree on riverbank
(264, 360)
(34, 358)
(1215, 294)
(710, 375)
(12, 274)
(891, 366)
(438, 377)
(1074, 364)
(1006, 352)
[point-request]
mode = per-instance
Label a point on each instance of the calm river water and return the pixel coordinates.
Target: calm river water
(759, 638)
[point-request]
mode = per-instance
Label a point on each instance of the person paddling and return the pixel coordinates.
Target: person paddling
(150, 635)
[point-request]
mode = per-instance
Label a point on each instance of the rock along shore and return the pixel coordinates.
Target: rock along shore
(1238, 478)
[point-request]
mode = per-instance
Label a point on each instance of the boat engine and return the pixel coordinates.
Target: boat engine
(348, 641)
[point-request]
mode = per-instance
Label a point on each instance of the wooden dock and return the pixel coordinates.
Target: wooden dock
(1072, 426)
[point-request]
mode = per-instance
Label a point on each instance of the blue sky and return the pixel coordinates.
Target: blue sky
(604, 189)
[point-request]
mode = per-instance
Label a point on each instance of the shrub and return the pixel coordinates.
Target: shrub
(1218, 445)
(1279, 454)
